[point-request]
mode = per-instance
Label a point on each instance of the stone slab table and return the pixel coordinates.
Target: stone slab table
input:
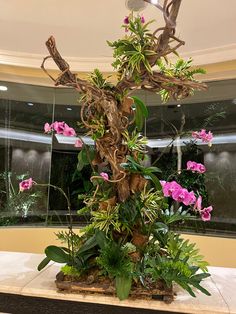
(25, 290)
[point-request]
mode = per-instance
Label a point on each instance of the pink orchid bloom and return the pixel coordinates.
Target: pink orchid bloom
(201, 168)
(68, 131)
(206, 213)
(142, 19)
(59, 127)
(47, 128)
(126, 20)
(182, 196)
(191, 165)
(198, 204)
(26, 184)
(194, 166)
(170, 187)
(191, 199)
(105, 176)
(206, 137)
(78, 143)
(162, 182)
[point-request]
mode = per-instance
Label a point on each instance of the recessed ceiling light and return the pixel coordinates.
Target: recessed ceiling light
(30, 104)
(3, 88)
(178, 105)
(68, 108)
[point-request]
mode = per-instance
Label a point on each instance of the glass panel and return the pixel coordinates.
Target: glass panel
(213, 110)
(25, 151)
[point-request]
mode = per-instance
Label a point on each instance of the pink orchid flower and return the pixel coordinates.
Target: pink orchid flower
(126, 20)
(191, 198)
(182, 196)
(206, 213)
(198, 204)
(68, 131)
(105, 176)
(142, 19)
(78, 143)
(206, 137)
(47, 128)
(195, 167)
(170, 187)
(58, 127)
(26, 184)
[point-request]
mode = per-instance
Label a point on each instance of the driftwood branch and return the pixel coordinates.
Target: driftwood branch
(109, 108)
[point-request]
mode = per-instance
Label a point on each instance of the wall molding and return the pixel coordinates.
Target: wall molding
(205, 56)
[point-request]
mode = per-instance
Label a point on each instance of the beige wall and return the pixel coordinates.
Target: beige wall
(217, 251)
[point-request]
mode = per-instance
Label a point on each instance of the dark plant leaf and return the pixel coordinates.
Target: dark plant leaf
(44, 263)
(57, 254)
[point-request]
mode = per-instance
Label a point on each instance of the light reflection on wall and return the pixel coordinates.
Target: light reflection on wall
(221, 182)
(24, 161)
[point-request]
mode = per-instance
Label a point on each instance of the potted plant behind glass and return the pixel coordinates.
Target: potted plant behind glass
(128, 248)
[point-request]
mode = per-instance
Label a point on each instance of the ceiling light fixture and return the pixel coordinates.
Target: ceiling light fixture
(68, 108)
(136, 5)
(30, 104)
(3, 88)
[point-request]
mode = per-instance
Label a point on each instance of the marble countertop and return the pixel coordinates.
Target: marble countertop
(19, 275)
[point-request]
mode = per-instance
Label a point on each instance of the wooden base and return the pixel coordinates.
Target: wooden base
(107, 288)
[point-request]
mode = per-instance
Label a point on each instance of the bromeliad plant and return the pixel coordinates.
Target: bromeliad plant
(129, 240)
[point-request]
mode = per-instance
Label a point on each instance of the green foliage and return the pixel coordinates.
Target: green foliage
(70, 238)
(85, 156)
(152, 202)
(132, 53)
(177, 247)
(176, 270)
(170, 216)
(97, 79)
(19, 203)
(114, 260)
(57, 254)
(135, 141)
(123, 286)
(134, 167)
(106, 220)
(181, 69)
(141, 112)
(70, 271)
(44, 263)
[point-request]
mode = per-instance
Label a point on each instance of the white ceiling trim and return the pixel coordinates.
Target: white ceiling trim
(206, 56)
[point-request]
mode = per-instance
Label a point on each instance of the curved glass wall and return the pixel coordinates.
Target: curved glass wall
(25, 151)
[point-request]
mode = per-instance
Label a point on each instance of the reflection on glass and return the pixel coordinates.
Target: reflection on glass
(26, 151)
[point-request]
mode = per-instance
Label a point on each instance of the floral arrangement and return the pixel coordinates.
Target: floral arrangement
(129, 243)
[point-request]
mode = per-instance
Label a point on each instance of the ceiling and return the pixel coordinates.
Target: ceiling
(81, 29)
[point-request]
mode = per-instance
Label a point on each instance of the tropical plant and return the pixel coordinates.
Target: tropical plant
(129, 238)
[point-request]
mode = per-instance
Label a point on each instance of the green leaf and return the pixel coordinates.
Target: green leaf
(101, 238)
(89, 244)
(160, 226)
(139, 103)
(44, 263)
(57, 254)
(141, 112)
(156, 181)
(123, 286)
